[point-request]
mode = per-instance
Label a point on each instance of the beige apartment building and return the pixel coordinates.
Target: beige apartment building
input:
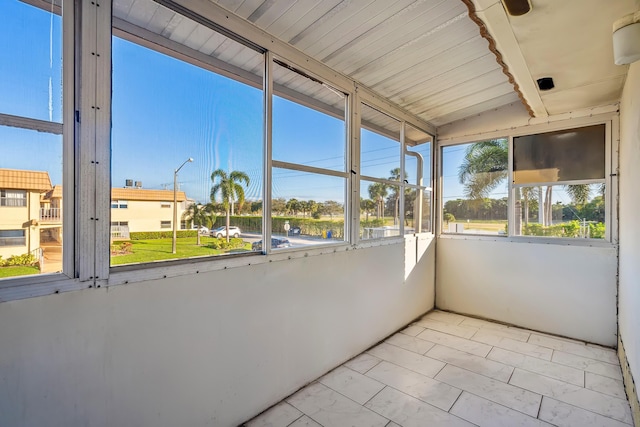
(24, 213)
(31, 212)
(137, 209)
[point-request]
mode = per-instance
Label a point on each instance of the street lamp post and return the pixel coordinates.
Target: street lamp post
(175, 203)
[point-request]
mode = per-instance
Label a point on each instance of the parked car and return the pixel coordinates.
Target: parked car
(276, 242)
(201, 230)
(222, 231)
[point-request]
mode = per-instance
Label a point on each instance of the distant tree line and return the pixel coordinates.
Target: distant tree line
(486, 209)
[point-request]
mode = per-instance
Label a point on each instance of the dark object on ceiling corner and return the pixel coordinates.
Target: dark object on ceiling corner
(546, 83)
(517, 7)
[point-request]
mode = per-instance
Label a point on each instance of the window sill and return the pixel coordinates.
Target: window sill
(531, 240)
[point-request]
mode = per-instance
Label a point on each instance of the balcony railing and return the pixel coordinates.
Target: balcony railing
(50, 214)
(120, 232)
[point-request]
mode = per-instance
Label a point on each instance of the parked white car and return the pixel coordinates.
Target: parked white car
(222, 231)
(201, 230)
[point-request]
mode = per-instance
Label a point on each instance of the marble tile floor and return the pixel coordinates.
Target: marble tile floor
(451, 370)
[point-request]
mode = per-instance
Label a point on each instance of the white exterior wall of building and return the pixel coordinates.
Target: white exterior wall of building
(145, 215)
(15, 218)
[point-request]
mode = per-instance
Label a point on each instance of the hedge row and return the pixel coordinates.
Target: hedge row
(150, 235)
(308, 226)
(565, 229)
(19, 260)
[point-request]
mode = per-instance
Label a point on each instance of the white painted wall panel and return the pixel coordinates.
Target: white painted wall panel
(559, 289)
(629, 303)
(211, 349)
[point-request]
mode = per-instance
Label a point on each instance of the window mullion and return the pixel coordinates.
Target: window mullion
(511, 193)
(268, 151)
(103, 142)
(85, 145)
(401, 187)
(354, 166)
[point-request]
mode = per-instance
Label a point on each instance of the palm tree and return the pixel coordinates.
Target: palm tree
(485, 167)
(579, 194)
(377, 192)
(367, 205)
(199, 215)
(230, 188)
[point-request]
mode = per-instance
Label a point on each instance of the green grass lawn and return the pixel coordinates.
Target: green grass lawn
(492, 226)
(18, 271)
(160, 249)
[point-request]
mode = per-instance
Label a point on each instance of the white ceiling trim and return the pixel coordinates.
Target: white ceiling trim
(492, 13)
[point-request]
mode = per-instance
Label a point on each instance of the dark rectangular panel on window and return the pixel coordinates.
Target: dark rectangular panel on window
(567, 155)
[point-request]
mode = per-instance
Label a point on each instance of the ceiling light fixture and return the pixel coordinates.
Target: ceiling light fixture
(546, 83)
(626, 39)
(517, 7)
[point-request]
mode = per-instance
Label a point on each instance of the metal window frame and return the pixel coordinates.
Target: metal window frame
(302, 100)
(612, 141)
(45, 284)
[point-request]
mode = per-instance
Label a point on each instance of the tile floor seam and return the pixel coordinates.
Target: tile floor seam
(365, 372)
(373, 397)
(408, 369)
(486, 398)
(499, 404)
(583, 409)
(447, 333)
(546, 376)
(347, 397)
(457, 398)
(515, 351)
(301, 415)
(445, 364)
(567, 403)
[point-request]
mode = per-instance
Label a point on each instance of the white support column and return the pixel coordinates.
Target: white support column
(103, 141)
(355, 114)
(85, 143)
(267, 122)
(69, 127)
(400, 200)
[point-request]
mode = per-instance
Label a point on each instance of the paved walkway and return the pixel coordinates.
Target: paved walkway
(52, 258)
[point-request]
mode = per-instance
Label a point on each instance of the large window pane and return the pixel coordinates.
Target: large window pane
(309, 161)
(474, 181)
(31, 61)
(308, 121)
(379, 145)
(31, 151)
(308, 208)
(574, 211)
(379, 207)
(417, 168)
(189, 131)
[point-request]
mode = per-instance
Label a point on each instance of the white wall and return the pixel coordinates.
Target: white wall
(550, 287)
(629, 285)
(559, 289)
(206, 349)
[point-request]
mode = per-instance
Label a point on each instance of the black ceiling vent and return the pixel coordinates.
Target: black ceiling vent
(517, 7)
(546, 83)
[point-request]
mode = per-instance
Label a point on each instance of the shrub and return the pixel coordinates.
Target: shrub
(23, 260)
(121, 248)
(565, 229)
(222, 244)
(152, 235)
